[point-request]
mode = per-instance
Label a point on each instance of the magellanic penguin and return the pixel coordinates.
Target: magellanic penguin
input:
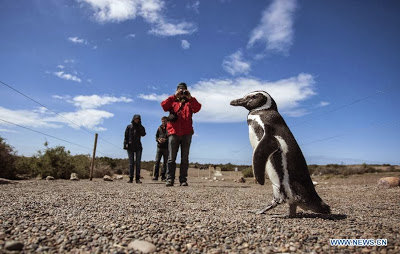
(276, 152)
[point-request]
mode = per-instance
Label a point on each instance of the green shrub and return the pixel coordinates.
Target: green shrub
(7, 160)
(248, 172)
(25, 166)
(82, 165)
(56, 162)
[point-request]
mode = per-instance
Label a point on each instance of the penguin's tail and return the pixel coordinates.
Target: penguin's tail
(316, 205)
(323, 208)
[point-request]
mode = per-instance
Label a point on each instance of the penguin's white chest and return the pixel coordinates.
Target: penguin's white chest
(255, 137)
(270, 168)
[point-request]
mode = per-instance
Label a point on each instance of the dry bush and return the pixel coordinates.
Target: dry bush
(248, 172)
(7, 160)
(101, 170)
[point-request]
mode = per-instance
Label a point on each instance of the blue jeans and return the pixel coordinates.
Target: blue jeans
(134, 155)
(174, 142)
(161, 153)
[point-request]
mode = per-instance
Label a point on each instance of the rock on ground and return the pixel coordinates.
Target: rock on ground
(143, 246)
(14, 246)
(389, 182)
(118, 177)
(107, 178)
(49, 178)
(74, 177)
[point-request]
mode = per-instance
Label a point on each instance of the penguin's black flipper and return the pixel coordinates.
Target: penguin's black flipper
(268, 144)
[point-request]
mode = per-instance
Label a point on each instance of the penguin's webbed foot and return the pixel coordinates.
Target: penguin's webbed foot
(265, 209)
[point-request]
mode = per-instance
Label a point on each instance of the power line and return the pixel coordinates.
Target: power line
(331, 111)
(346, 105)
(51, 136)
(337, 136)
(78, 125)
(48, 135)
(351, 132)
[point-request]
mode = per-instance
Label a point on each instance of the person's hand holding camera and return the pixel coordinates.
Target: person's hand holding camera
(187, 94)
(183, 93)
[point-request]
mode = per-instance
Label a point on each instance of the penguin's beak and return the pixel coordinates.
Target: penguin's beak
(238, 102)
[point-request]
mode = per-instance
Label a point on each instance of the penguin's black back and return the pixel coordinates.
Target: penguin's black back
(299, 176)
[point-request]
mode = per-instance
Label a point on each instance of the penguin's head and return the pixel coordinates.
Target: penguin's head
(256, 100)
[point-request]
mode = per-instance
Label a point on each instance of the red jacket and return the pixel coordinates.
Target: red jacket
(184, 124)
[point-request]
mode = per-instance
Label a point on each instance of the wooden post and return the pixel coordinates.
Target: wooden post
(94, 156)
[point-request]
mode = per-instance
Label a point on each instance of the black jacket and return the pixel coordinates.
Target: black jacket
(133, 133)
(162, 133)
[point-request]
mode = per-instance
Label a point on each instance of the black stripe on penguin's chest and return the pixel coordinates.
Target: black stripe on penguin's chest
(258, 130)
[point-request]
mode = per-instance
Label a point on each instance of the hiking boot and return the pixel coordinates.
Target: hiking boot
(155, 179)
(130, 181)
(163, 180)
(184, 184)
(169, 183)
(138, 181)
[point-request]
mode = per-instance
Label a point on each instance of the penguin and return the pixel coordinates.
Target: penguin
(276, 153)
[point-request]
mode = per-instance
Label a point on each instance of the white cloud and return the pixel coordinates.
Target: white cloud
(88, 118)
(60, 66)
(163, 28)
(323, 104)
(215, 96)
(77, 40)
(95, 101)
(234, 64)
(86, 115)
(113, 10)
(152, 11)
(66, 97)
(185, 44)
(30, 118)
(132, 36)
(7, 130)
(153, 97)
(276, 26)
(67, 76)
(69, 61)
(193, 6)
(42, 110)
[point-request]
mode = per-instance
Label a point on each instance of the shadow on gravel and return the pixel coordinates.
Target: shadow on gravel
(155, 183)
(320, 216)
(227, 186)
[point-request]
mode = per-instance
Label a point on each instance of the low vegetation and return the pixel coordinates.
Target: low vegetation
(7, 160)
(60, 163)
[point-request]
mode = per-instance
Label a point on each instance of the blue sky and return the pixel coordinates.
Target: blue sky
(331, 66)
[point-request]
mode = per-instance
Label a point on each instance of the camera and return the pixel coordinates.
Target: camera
(186, 92)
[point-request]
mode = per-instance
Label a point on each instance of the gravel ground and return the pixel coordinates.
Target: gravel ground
(205, 217)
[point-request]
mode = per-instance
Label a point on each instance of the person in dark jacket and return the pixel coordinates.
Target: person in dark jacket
(133, 145)
(162, 149)
(180, 130)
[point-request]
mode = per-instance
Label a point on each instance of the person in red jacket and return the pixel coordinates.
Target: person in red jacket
(181, 106)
